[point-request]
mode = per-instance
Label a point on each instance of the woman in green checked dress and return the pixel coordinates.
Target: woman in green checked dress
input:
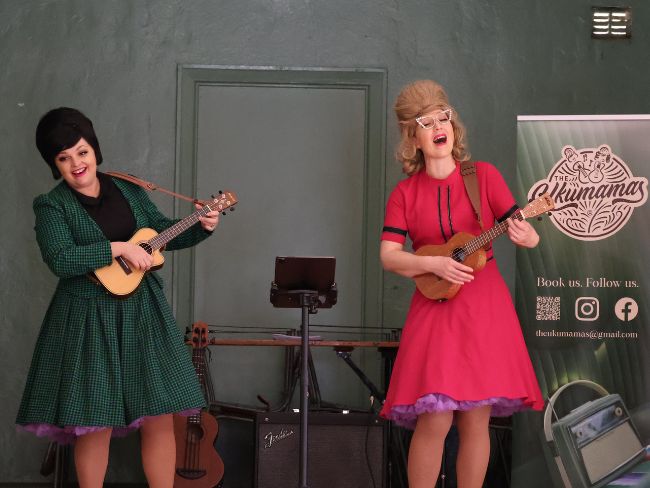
(102, 365)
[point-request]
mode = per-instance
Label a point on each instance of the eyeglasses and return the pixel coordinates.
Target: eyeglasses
(429, 121)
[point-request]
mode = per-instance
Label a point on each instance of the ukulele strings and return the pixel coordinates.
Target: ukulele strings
(192, 443)
(498, 229)
(192, 447)
(207, 384)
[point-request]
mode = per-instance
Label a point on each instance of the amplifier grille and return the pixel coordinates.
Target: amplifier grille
(345, 451)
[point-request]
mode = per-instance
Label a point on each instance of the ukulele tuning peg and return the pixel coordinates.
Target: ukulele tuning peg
(223, 213)
(213, 197)
(539, 218)
(232, 209)
(220, 192)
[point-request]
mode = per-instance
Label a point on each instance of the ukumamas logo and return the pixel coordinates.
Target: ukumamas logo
(594, 191)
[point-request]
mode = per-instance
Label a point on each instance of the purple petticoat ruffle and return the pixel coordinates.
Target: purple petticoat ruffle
(407, 415)
(69, 433)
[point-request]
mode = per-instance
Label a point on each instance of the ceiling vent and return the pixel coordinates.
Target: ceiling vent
(611, 22)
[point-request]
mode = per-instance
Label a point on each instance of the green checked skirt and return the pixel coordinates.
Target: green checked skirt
(102, 361)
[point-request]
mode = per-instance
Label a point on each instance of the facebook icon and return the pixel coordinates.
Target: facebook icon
(626, 309)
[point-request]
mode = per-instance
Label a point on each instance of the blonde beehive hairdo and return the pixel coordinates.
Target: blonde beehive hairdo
(415, 99)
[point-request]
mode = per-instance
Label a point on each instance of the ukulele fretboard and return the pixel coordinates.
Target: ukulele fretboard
(489, 235)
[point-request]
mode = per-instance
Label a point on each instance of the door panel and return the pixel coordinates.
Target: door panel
(299, 150)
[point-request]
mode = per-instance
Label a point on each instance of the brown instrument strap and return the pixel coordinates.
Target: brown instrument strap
(147, 185)
(468, 171)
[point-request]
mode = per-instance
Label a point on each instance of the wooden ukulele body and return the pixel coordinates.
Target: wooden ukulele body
(198, 465)
(436, 288)
(119, 277)
(470, 250)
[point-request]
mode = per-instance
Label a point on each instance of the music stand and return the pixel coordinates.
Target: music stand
(305, 282)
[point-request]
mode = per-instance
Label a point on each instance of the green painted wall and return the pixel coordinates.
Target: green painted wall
(116, 60)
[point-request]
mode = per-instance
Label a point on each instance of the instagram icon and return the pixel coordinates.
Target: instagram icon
(587, 308)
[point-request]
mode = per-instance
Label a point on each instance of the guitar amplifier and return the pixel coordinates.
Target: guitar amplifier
(344, 450)
(596, 445)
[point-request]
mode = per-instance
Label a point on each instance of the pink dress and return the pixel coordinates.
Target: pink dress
(468, 351)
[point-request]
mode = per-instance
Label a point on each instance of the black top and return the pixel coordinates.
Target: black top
(109, 210)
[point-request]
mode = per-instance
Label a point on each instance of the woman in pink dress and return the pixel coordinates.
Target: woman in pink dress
(462, 360)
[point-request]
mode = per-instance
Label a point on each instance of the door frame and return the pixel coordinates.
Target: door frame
(190, 77)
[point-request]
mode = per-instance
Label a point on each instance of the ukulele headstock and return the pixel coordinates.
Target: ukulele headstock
(199, 339)
(540, 205)
(223, 201)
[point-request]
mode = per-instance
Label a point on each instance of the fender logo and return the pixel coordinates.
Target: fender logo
(271, 439)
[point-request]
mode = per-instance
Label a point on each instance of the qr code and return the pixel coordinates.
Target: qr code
(548, 308)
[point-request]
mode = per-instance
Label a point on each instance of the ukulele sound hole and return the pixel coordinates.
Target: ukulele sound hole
(147, 247)
(458, 254)
(194, 433)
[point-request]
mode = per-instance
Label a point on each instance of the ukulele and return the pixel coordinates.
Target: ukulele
(198, 464)
(469, 250)
(120, 279)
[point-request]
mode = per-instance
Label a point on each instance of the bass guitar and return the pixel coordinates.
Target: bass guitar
(469, 250)
(198, 465)
(120, 279)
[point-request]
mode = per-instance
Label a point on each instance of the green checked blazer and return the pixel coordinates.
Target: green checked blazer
(101, 360)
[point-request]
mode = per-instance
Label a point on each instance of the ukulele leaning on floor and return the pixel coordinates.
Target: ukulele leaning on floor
(198, 464)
